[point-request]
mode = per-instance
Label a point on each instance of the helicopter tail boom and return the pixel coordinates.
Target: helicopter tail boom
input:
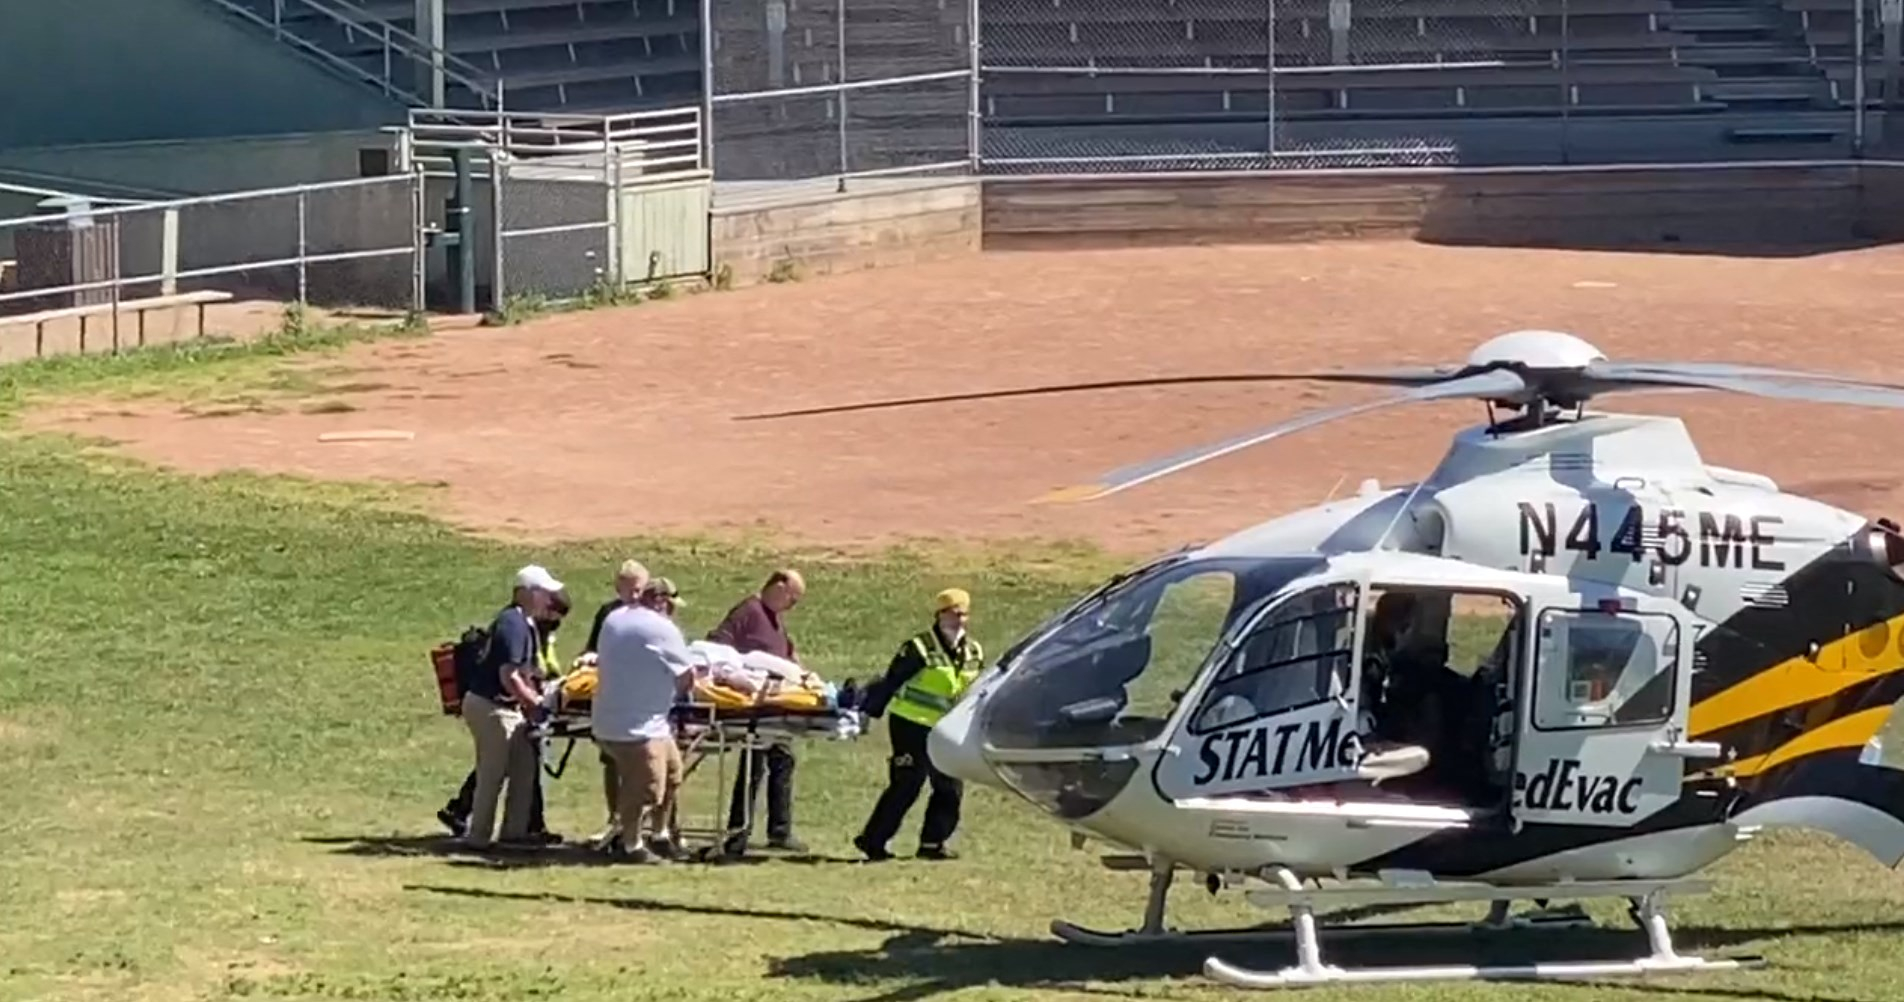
(1843, 792)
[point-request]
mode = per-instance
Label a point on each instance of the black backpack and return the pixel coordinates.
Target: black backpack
(469, 655)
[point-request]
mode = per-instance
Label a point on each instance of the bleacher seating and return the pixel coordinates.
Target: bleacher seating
(1616, 55)
(1829, 29)
(1384, 59)
(552, 55)
(887, 127)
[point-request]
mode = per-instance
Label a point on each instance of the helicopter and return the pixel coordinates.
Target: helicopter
(1573, 662)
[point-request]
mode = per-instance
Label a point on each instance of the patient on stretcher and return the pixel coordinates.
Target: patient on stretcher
(723, 678)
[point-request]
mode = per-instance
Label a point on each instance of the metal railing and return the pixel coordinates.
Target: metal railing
(554, 187)
(661, 144)
(314, 243)
(397, 48)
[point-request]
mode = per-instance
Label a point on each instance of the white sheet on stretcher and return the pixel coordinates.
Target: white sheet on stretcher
(748, 673)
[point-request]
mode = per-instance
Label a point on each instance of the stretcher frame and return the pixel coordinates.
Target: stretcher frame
(703, 729)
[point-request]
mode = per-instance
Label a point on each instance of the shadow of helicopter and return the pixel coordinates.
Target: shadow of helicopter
(929, 966)
(933, 960)
(657, 906)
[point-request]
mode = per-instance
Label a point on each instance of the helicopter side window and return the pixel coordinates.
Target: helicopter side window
(1604, 669)
(1299, 655)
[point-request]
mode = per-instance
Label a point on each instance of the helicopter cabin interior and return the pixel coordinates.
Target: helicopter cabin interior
(1302, 679)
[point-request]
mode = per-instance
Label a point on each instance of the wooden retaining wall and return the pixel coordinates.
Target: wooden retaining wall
(880, 225)
(1646, 208)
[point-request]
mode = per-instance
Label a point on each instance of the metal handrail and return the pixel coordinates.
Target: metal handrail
(488, 87)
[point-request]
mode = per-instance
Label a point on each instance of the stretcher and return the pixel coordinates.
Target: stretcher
(711, 721)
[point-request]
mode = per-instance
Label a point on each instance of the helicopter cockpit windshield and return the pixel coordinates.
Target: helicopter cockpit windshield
(1110, 671)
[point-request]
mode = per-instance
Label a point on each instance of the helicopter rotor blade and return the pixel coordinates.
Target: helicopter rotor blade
(1728, 370)
(1414, 376)
(1493, 384)
(1795, 386)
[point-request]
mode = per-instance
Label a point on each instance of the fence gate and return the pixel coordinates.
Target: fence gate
(564, 204)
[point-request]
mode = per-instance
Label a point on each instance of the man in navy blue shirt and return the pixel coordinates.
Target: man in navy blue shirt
(455, 814)
(500, 707)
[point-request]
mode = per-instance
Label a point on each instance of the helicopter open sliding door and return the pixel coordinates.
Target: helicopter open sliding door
(1603, 711)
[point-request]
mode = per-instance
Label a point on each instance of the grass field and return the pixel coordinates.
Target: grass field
(225, 756)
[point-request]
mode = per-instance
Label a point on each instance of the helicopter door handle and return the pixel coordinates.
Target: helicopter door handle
(1689, 749)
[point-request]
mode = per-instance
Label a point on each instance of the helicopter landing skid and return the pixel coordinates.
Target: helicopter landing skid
(1647, 897)
(1153, 931)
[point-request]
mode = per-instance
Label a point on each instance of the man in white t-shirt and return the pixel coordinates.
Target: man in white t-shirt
(642, 667)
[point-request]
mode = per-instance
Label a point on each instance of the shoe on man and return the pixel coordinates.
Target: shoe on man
(937, 852)
(873, 853)
(457, 825)
(787, 843)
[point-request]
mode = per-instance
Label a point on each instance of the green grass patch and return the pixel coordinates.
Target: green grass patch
(217, 713)
(213, 375)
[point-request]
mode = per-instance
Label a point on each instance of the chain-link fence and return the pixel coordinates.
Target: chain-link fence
(1089, 85)
(82, 277)
(841, 88)
(556, 206)
(555, 231)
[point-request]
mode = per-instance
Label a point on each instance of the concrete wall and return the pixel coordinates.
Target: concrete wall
(882, 223)
(1733, 209)
(1881, 202)
(181, 168)
(97, 71)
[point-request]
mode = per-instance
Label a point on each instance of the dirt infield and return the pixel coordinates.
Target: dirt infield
(622, 422)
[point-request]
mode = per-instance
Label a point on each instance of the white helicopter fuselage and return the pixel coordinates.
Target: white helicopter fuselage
(1617, 506)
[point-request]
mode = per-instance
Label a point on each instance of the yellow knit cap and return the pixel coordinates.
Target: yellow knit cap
(952, 598)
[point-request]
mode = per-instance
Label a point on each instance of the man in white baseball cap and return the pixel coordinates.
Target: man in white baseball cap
(537, 578)
(503, 697)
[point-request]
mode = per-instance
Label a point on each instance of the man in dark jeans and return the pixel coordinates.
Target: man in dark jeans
(756, 624)
(928, 675)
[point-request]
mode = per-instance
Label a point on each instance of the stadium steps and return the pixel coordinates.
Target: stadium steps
(601, 56)
(1759, 55)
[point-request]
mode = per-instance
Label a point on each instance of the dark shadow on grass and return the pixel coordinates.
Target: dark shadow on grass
(927, 967)
(928, 961)
(926, 933)
(456, 854)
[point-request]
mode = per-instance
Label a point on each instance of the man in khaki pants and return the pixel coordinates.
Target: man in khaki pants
(642, 668)
(499, 707)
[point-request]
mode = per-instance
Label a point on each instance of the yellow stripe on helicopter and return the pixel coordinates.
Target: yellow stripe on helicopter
(1841, 664)
(1845, 732)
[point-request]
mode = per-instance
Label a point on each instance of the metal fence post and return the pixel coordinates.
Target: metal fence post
(303, 249)
(419, 256)
(1857, 82)
(974, 128)
(1269, 95)
(168, 251)
(112, 251)
(840, 30)
(611, 173)
(707, 86)
(496, 228)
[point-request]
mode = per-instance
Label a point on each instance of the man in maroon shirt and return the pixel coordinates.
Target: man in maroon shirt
(756, 624)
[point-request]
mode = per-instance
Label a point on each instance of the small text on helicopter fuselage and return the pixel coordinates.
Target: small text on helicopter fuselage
(1270, 749)
(1563, 786)
(1596, 532)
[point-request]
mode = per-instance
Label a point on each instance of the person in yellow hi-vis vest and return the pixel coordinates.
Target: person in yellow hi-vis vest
(928, 674)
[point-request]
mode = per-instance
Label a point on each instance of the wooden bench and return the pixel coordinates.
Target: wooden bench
(140, 306)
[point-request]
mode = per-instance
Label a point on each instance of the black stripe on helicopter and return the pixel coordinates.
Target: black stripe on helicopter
(1831, 597)
(1677, 536)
